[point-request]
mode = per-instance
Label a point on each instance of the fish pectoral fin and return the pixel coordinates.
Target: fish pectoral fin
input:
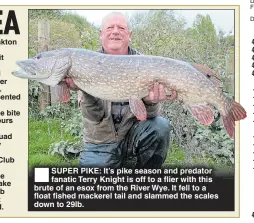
(138, 108)
(62, 92)
(202, 113)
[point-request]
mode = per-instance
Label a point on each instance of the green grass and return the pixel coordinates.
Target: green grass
(177, 157)
(45, 160)
(48, 160)
(42, 134)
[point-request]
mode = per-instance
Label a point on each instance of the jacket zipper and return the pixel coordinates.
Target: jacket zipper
(112, 122)
(120, 124)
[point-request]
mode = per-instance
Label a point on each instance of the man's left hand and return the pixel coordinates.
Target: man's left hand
(157, 93)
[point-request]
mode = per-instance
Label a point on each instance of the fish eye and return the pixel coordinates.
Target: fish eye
(37, 56)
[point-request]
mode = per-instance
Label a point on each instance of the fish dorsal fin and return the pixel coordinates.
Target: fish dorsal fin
(202, 113)
(209, 73)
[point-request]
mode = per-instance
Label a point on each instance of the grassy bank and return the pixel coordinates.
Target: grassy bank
(43, 133)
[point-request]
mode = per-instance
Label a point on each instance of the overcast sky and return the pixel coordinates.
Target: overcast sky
(223, 19)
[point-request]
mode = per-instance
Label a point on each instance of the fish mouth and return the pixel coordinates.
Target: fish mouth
(28, 70)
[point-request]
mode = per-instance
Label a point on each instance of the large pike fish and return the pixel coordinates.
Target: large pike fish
(129, 78)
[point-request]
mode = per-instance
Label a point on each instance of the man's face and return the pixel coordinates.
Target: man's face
(115, 35)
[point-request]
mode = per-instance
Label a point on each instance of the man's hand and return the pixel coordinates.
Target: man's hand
(157, 93)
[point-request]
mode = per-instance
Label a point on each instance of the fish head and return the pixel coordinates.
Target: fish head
(48, 67)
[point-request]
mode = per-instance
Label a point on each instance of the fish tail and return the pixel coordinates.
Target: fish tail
(234, 112)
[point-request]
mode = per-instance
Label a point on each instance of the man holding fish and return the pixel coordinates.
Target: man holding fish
(120, 95)
(112, 133)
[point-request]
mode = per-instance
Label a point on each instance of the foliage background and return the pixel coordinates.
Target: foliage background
(56, 131)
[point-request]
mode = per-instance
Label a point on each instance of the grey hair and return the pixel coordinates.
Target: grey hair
(116, 13)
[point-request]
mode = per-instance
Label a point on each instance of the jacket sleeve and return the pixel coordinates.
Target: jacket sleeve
(92, 108)
(152, 110)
